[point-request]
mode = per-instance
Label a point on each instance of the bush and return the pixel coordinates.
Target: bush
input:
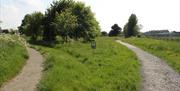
(12, 56)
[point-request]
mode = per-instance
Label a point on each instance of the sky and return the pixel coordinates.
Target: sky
(151, 14)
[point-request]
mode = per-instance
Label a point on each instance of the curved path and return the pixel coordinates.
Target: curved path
(156, 74)
(29, 76)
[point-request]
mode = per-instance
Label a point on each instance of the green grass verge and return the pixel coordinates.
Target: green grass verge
(77, 67)
(12, 57)
(165, 49)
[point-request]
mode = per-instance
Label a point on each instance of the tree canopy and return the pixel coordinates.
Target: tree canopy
(65, 18)
(131, 28)
(65, 24)
(115, 30)
(86, 25)
(104, 33)
(32, 25)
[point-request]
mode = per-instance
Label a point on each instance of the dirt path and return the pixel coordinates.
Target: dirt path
(29, 76)
(156, 74)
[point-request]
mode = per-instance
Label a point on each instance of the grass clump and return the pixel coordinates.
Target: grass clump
(12, 56)
(166, 49)
(76, 67)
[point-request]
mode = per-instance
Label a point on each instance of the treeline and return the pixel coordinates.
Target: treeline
(65, 18)
(131, 28)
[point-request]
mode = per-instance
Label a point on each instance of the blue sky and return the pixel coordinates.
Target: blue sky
(152, 14)
(13, 11)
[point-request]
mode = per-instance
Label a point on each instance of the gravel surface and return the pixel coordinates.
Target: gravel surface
(156, 74)
(29, 76)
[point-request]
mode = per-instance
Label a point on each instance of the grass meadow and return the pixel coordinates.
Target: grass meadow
(13, 56)
(76, 67)
(168, 50)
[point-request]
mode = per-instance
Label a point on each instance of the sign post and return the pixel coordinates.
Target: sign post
(93, 45)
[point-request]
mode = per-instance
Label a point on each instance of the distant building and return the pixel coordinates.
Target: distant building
(162, 33)
(174, 33)
(4, 30)
(158, 33)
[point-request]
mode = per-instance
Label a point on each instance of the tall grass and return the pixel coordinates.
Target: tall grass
(165, 49)
(12, 56)
(77, 67)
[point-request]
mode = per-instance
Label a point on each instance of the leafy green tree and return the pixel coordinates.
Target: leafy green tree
(131, 28)
(50, 31)
(23, 28)
(125, 30)
(116, 30)
(104, 33)
(32, 25)
(66, 18)
(65, 24)
(87, 26)
(36, 27)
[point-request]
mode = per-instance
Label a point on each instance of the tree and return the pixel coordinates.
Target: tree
(65, 18)
(65, 24)
(88, 26)
(116, 30)
(23, 28)
(131, 28)
(36, 25)
(104, 33)
(50, 32)
(32, 25)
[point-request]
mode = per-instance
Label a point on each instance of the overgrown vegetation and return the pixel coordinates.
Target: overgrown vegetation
(13, 56)
(76, 67)
(65, 18)
(166, 49)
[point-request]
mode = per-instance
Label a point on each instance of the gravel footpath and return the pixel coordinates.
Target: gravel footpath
(29, 76)
(156, 74)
